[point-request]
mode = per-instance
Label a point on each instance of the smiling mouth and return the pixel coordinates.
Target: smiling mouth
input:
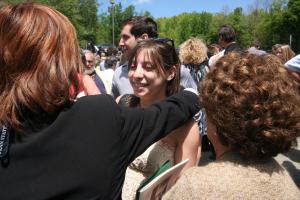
(138, 85)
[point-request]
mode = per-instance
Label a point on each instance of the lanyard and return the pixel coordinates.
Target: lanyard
(4, 145)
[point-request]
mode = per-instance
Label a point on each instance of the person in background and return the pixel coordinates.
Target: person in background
(102, 56)
(90, 69)
(227, 39)
(293, 66)
(135, 29)
(193, 55)
(90, 62)
(107, 74)
(255, 49)
(154, 73)
(284, 53)
(112, 54)
(52, 146)
(253, 112)
(213, 49)
(87, 84)
(274, 48)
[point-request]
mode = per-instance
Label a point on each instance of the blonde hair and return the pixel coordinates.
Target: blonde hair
(287, 53)
(193, 51)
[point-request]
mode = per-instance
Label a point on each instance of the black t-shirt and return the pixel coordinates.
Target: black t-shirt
(233, 47)
(84, 152)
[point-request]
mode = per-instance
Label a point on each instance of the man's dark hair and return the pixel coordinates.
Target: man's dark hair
(141, 25)
(256, 44)
(227, 33)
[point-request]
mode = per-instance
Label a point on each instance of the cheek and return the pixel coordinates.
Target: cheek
(159, 81)
(131, 42)
(130, 75)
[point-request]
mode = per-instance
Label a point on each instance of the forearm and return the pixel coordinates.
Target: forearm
(158, 120)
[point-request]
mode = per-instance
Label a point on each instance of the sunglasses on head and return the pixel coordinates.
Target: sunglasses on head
(164, 40)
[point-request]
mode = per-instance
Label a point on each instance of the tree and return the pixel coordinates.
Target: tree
(82, 14)
(291, 20)
(105, 22)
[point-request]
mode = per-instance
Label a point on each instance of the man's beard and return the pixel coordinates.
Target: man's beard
(89, 71)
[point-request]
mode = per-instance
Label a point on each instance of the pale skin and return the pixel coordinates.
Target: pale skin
(150, 86)
(90, 88)
(128, 41)
(220, 149)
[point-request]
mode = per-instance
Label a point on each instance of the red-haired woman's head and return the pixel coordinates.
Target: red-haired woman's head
(39, 61)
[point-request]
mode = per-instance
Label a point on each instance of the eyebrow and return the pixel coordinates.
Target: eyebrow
(144, 63)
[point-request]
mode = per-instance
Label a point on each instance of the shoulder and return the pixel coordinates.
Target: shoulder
(120, 73)
(121, 69)
(184, 70)
(294, 64)
(233, 47)
(230, 180)
(94, 102)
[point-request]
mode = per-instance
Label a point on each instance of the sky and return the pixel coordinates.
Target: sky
(169, 8)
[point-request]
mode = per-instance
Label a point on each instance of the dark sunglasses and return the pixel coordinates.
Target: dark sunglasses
(164, 40)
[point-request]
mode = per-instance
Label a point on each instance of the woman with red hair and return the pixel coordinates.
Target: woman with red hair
(52, 147)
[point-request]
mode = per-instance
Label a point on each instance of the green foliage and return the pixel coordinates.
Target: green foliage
(271, 24)
(105, 23)
(184, 26)
(82, 14)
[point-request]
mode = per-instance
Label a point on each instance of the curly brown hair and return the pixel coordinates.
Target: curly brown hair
(253, 104)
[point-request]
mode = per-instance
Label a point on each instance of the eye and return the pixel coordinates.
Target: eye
(132, 67)
(148, 66)
(125, 37)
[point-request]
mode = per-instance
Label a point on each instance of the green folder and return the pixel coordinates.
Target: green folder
(165, 166)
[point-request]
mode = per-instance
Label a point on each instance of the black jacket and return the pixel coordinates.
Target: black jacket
(233, 47)
(84, 152)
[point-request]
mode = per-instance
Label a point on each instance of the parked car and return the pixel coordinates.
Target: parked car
(104, 47)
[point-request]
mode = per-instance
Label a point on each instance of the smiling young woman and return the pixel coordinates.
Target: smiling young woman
(154, 73)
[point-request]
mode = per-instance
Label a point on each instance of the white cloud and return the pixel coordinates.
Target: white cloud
(136, 2)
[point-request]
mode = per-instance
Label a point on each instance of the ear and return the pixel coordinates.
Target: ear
(144, 36)
(171, 73)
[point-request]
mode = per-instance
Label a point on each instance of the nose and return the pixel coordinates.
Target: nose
(121, 42)
(138, 72)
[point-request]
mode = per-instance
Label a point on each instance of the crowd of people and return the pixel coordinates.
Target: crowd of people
(84, 124)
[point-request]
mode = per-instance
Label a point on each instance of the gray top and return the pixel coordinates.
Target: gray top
(121, 84)
(256, 51)
(293, 64)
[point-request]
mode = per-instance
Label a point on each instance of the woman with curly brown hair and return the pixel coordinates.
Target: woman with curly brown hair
(253, 111)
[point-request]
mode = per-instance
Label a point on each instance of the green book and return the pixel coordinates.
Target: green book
(160, 181)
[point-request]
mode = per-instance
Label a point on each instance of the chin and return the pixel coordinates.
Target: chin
(140, 94)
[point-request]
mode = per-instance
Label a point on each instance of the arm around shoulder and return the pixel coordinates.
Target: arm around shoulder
(143, 127)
